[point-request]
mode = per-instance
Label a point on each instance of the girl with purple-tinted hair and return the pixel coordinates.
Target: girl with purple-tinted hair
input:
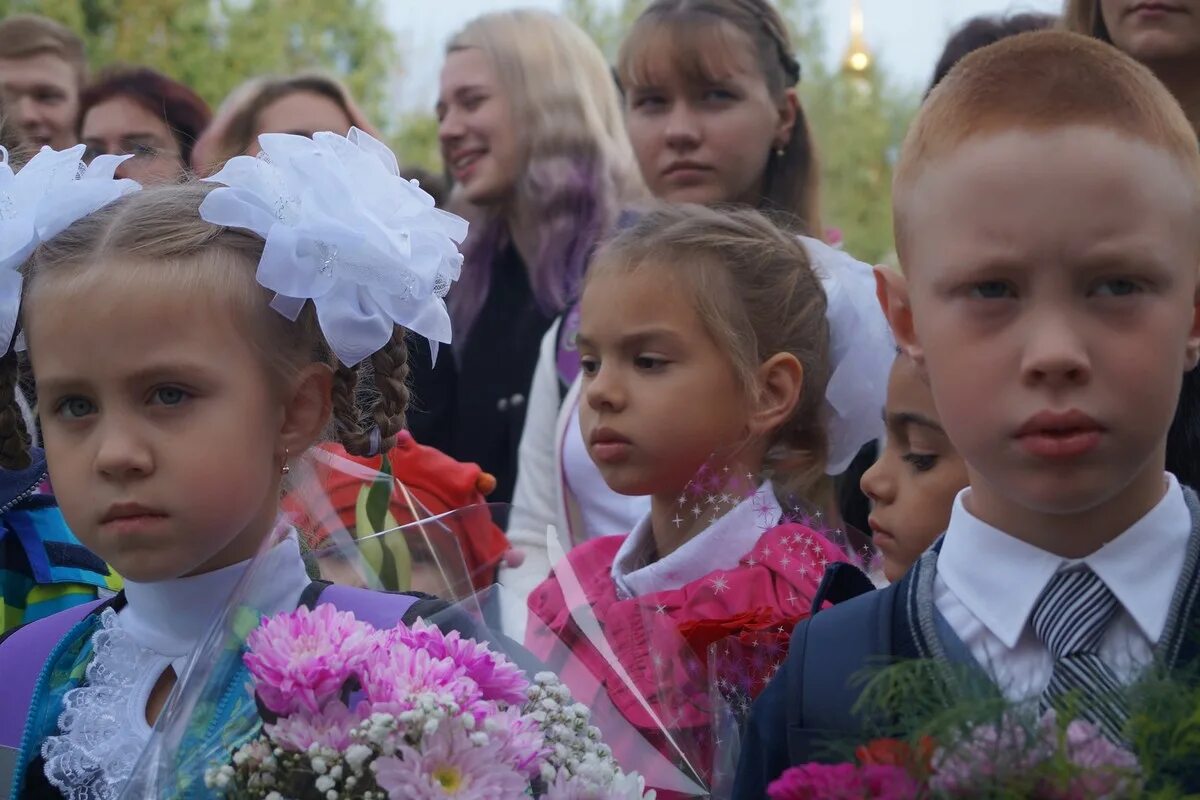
(531, 134)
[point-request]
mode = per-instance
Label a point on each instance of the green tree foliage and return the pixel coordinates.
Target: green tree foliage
(214, 45)
(605, 22)
(416, 142)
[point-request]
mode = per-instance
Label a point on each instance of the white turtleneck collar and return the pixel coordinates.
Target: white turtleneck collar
(170, 617)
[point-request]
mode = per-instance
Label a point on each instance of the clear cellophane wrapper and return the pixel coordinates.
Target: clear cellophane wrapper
(213, 710)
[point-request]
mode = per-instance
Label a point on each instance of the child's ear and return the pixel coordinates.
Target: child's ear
(1192, 351)
(780, 381)
(307, 409)
(891, 288)
(789, 112)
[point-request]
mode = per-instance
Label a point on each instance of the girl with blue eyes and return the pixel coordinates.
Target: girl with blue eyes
(189, 343)
(913, 484)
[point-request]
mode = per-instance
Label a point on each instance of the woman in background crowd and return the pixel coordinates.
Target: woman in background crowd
(531, 132)
(301, 104)
(142, 113)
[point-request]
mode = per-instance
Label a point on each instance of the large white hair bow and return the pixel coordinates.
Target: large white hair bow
(861, 350)
(54, 189)
(344, 230)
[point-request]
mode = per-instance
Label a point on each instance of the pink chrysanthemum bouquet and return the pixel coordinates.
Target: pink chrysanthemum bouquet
(367, 714)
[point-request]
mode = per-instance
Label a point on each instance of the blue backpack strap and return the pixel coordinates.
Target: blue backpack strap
(841, 582)
(23, 653)
(807, 706)
(834, 647)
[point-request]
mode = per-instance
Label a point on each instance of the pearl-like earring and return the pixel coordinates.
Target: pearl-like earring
(780, 152)
(286, 468)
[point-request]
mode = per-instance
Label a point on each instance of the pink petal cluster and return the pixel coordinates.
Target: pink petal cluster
(989, 753)
(1105, 769)
(498, 679)
(301, 659)
(448, 764)
(328, 728)
(1012, 752)
(844, 782)
(393, 677)
(522, 743)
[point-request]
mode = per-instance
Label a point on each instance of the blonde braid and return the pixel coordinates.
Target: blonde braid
(386, 408)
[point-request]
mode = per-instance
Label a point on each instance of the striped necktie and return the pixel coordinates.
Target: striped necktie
(1070, 618)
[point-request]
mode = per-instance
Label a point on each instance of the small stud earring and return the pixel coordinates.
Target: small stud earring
(285, 469)
(780, 152)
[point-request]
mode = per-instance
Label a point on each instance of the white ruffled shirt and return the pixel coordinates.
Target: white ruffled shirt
(103, 727)
(719, 546)
(988, 582)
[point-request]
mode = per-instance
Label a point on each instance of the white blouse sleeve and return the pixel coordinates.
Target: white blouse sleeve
(538, 491)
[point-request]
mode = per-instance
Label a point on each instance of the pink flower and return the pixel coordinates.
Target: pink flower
(844, 782)
(302, 658)
(887, 782)
(1105, 769)
(498, 678)
(521, 741)
(329, 727)
(819, 782)
(451, 766)
(1016, 755)
(987, 755)
(393, 678)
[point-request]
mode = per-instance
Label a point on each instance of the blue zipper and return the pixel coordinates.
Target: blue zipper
(38, 689)
(4, 509)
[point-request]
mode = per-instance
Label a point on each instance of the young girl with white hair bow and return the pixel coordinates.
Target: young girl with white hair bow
(187, 343)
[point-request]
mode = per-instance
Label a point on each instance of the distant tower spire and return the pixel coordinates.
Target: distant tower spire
(858, 56)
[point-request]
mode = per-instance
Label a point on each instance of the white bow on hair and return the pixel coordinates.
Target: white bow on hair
(861, 352)
(52, 191)
(344, 230)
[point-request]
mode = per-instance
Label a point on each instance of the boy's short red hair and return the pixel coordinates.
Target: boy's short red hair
(1038, 82)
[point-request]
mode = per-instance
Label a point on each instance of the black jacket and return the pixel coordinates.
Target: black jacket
(472, 405)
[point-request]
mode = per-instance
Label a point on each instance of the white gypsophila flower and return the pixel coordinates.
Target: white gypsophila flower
(357, 755)
(572, 743)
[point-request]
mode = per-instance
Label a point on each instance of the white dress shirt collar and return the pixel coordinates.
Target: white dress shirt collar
(719, 546)
(999, 578)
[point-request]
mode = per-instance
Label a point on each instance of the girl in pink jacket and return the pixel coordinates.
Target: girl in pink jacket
(706, 354)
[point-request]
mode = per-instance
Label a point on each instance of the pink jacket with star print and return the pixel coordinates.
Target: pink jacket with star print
(662, 640)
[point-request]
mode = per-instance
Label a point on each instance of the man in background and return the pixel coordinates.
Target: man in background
(42, 70)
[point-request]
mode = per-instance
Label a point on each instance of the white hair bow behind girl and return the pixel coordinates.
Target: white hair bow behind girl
(39, 202)
(344, 230)
(861, 352)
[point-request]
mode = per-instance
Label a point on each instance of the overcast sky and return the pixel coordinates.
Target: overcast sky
(906, 35)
